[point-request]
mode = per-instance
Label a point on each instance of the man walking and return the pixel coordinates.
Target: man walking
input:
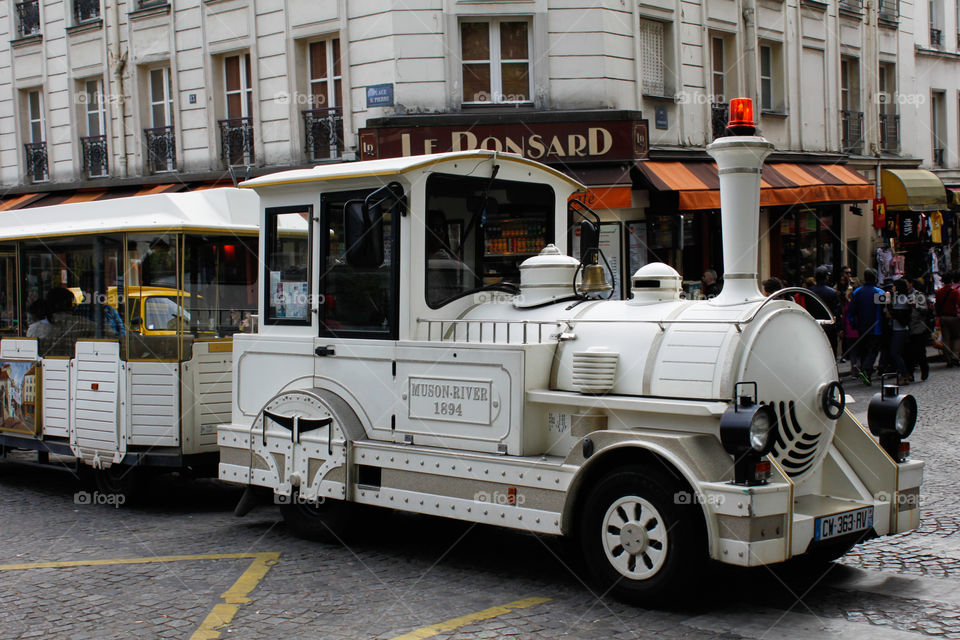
(866, 306)
(947, 306)
(830, 298)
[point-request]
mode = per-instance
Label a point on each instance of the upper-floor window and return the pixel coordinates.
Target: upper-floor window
(161, 98)
(27, 17)
(652, 57)
(35, 119)
(938, 127)
(236, 131)
(35, 146)
(159, 136)
(495, 61)
(85, 10)
(849, 84)
(326, 88)
(239, 91)
(94, 107)
(771, 77)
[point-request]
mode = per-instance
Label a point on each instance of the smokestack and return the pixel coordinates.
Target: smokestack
(739, 161)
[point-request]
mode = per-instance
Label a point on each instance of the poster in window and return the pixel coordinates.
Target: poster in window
(636, 246)
(19, 396)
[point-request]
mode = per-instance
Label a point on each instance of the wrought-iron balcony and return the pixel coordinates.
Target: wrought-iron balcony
(94, 151)
(719, 115)
(36, 161)
(86, 10)
(938, 156)
(889, 132)
(236, 141)
(936, 37)
(161, 149)
(28, 18)
(851, 125)
(323, 133)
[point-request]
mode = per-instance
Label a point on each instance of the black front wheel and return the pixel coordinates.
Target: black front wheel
(326, 519)
(640, 536)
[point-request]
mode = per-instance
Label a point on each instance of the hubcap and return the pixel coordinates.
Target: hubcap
(634, 538)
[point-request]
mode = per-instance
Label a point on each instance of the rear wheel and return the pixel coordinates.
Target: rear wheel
(119, 483)
(638, 539)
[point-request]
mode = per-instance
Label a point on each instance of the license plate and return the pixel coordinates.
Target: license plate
(842, 523)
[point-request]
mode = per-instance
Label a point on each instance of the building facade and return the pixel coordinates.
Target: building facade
(102, 97)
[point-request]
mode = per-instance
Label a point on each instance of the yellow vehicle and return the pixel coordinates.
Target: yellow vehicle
(157, 311)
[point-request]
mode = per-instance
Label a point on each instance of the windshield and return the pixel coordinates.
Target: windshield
(478, 231)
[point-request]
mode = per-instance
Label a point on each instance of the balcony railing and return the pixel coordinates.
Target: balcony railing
(323, 133)
(161, 149)
(28, 18)
(851, 124)
(236, 141)
(719, 114)
(936, 37)
(94, 150)
(889, 132)
(938, 154)
(36, 161)
(85, 10)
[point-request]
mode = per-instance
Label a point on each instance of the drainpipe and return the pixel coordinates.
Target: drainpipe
(750, 50)
(118, 62)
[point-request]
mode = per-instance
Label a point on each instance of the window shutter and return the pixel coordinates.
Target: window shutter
(651, 46)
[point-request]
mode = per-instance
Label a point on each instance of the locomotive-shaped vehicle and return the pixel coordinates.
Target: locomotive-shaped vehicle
(397, 365)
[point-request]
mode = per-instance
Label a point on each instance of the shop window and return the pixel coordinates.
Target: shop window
(496, 61)
(801, 239)
(287, 260)
(478, 232)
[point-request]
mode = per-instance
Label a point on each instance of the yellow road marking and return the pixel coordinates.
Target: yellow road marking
(221, 615)
(462, 621)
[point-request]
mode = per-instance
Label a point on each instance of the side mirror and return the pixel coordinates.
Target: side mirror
(589, 241)
(363, 232)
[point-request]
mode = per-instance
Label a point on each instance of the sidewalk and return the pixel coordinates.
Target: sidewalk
(933, 356)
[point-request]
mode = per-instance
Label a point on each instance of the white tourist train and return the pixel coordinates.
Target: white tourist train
(409, 355)
(115, 325)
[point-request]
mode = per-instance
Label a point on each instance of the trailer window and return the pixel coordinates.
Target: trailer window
(356, 301)
(70, 291)
(478, 231)
(8, 291)
(287, 262)
(221, 278)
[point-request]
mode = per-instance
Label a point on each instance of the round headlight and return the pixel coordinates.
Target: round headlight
(761, 430)
(906, 417)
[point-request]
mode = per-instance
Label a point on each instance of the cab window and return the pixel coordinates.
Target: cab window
(356, 301)
(478, 231)
(287, 260)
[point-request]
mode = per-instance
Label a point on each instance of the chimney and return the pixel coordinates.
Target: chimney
(739, 161)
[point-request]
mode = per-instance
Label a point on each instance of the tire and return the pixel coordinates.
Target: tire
(638, 541)
(327, 521)
(119, 479)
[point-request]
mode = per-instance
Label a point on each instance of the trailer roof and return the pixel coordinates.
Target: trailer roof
(392, 167)
(225, 209)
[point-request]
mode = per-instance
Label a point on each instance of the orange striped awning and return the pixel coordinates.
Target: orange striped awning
(781, 184)
(15, 202)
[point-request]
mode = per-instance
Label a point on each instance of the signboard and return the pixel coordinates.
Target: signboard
(567, 142)
(451, 400)
(879, 213)
(380, 95)
(19, 396)
(606, 197)
(660, 118)
(636, 246)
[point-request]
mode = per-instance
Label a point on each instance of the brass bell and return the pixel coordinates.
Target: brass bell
(594, 279)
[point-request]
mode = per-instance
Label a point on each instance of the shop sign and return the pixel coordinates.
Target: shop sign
(567, 142)
(380, 95)
(879, 213)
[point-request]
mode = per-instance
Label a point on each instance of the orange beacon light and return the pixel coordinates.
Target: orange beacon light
(741, 117)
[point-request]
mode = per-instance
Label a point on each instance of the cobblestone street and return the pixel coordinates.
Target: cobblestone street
(187, 553)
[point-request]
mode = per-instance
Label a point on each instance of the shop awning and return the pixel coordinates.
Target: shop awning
(912, 190)
(781, 184)
(50, 198)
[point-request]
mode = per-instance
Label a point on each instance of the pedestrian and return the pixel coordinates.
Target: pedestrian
(771, 286)
(947, 307)
(921, 330)
(899, 312)
(710, 287)
(866, 305)
(828, 295)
